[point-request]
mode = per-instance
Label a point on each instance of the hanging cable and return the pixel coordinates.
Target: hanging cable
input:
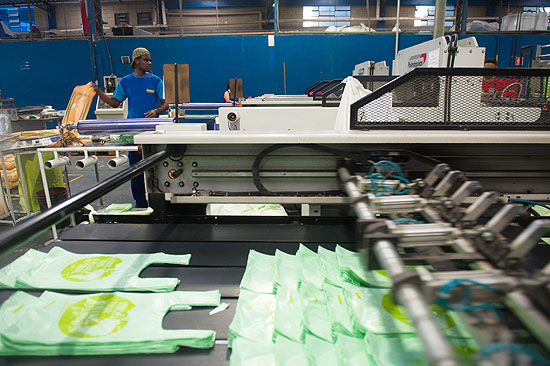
(256, 165)
(529, 202)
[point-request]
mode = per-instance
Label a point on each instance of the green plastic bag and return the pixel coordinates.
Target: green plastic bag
(329, 263)
(310, 266)
(104, 322)
(63, 270)
(374, 311)
(246, 352)
(353, 270)
(409, 350)
(286, 270)
(339, 315)
(116, 208)
(315, 312)
(289, 353)
(351, 351)
(259, 273)
(13, 308)
(320, 352)
(9, 274)
(254, 317)
(288, 315)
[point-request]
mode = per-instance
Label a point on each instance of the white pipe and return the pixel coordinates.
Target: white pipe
(56, 163)
(46, 188)
(113, 163)
(89, 161)
(397, 29)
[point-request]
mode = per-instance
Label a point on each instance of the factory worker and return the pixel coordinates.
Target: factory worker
(145, 100)
(227, 95)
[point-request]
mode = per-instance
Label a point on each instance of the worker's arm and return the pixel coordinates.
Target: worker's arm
(109, 99)
(157, 111)
(227, 97)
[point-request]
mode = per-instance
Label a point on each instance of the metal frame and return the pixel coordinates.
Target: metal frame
(83, 149)
(446, 72)
(32, 227)
(451, 224)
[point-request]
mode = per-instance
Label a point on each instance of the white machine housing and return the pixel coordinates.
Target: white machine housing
(297, 118)
(105, 111)
(434, 53)
(369, 68)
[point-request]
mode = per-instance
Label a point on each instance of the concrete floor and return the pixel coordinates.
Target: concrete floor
(79, 180)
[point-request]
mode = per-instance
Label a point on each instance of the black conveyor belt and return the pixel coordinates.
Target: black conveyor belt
(219, 254)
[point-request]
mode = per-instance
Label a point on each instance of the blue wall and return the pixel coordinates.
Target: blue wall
(45, 72)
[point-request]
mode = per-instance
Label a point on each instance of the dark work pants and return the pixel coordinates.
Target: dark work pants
(138, 183)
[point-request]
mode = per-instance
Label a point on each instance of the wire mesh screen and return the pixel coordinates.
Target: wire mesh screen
(458, 98)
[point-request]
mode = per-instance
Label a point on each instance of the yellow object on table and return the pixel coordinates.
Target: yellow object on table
(33, 180)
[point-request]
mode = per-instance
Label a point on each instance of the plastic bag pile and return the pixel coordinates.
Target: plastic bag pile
(98, 322)
(324, 308)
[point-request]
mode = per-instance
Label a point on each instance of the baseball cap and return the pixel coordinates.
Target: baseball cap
(138, 52)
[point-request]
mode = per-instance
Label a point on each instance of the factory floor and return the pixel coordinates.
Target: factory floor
(79, 180)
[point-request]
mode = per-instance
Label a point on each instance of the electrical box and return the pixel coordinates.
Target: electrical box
(105, 111)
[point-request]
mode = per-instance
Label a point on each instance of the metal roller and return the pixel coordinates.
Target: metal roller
(118, 126)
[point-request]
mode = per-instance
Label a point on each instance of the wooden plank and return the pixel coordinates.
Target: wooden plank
(236, 88)
(170, 83)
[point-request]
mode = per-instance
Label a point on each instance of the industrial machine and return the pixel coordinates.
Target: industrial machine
(433, 172)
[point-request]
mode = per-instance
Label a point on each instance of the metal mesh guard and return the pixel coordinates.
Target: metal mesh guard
(432, 101)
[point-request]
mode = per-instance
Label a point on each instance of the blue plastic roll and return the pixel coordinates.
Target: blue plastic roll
(119, 126)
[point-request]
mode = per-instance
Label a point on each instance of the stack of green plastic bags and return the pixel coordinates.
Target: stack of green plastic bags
(98, 322)
(324, 308)
(62, 270)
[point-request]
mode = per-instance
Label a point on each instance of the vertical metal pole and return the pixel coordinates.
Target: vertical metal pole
(23, 184)
(65, 19)
(6, 201)
(499, 27)
(9, 205)
(284, 75)
(181, 17)
(276, 16)
(66, 173)
(176, 94)
(46, 188)
(30, 22)
(97, 180)
(397, 29)
(217, 20)
(439, 21)
(464, 24)
(368, 16)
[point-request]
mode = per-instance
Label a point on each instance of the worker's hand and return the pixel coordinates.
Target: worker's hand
(96, 88)
(151, 114)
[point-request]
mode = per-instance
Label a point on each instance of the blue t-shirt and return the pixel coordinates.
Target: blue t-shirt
(144, 93)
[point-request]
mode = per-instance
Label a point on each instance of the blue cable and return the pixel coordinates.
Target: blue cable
(529, 202)
(402, 221)
(491, 348)
(387, 162)
(465, 283)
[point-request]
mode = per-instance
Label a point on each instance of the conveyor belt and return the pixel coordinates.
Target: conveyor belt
(215, 264)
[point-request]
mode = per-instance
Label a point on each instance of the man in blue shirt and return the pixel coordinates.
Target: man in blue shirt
(145, 100)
